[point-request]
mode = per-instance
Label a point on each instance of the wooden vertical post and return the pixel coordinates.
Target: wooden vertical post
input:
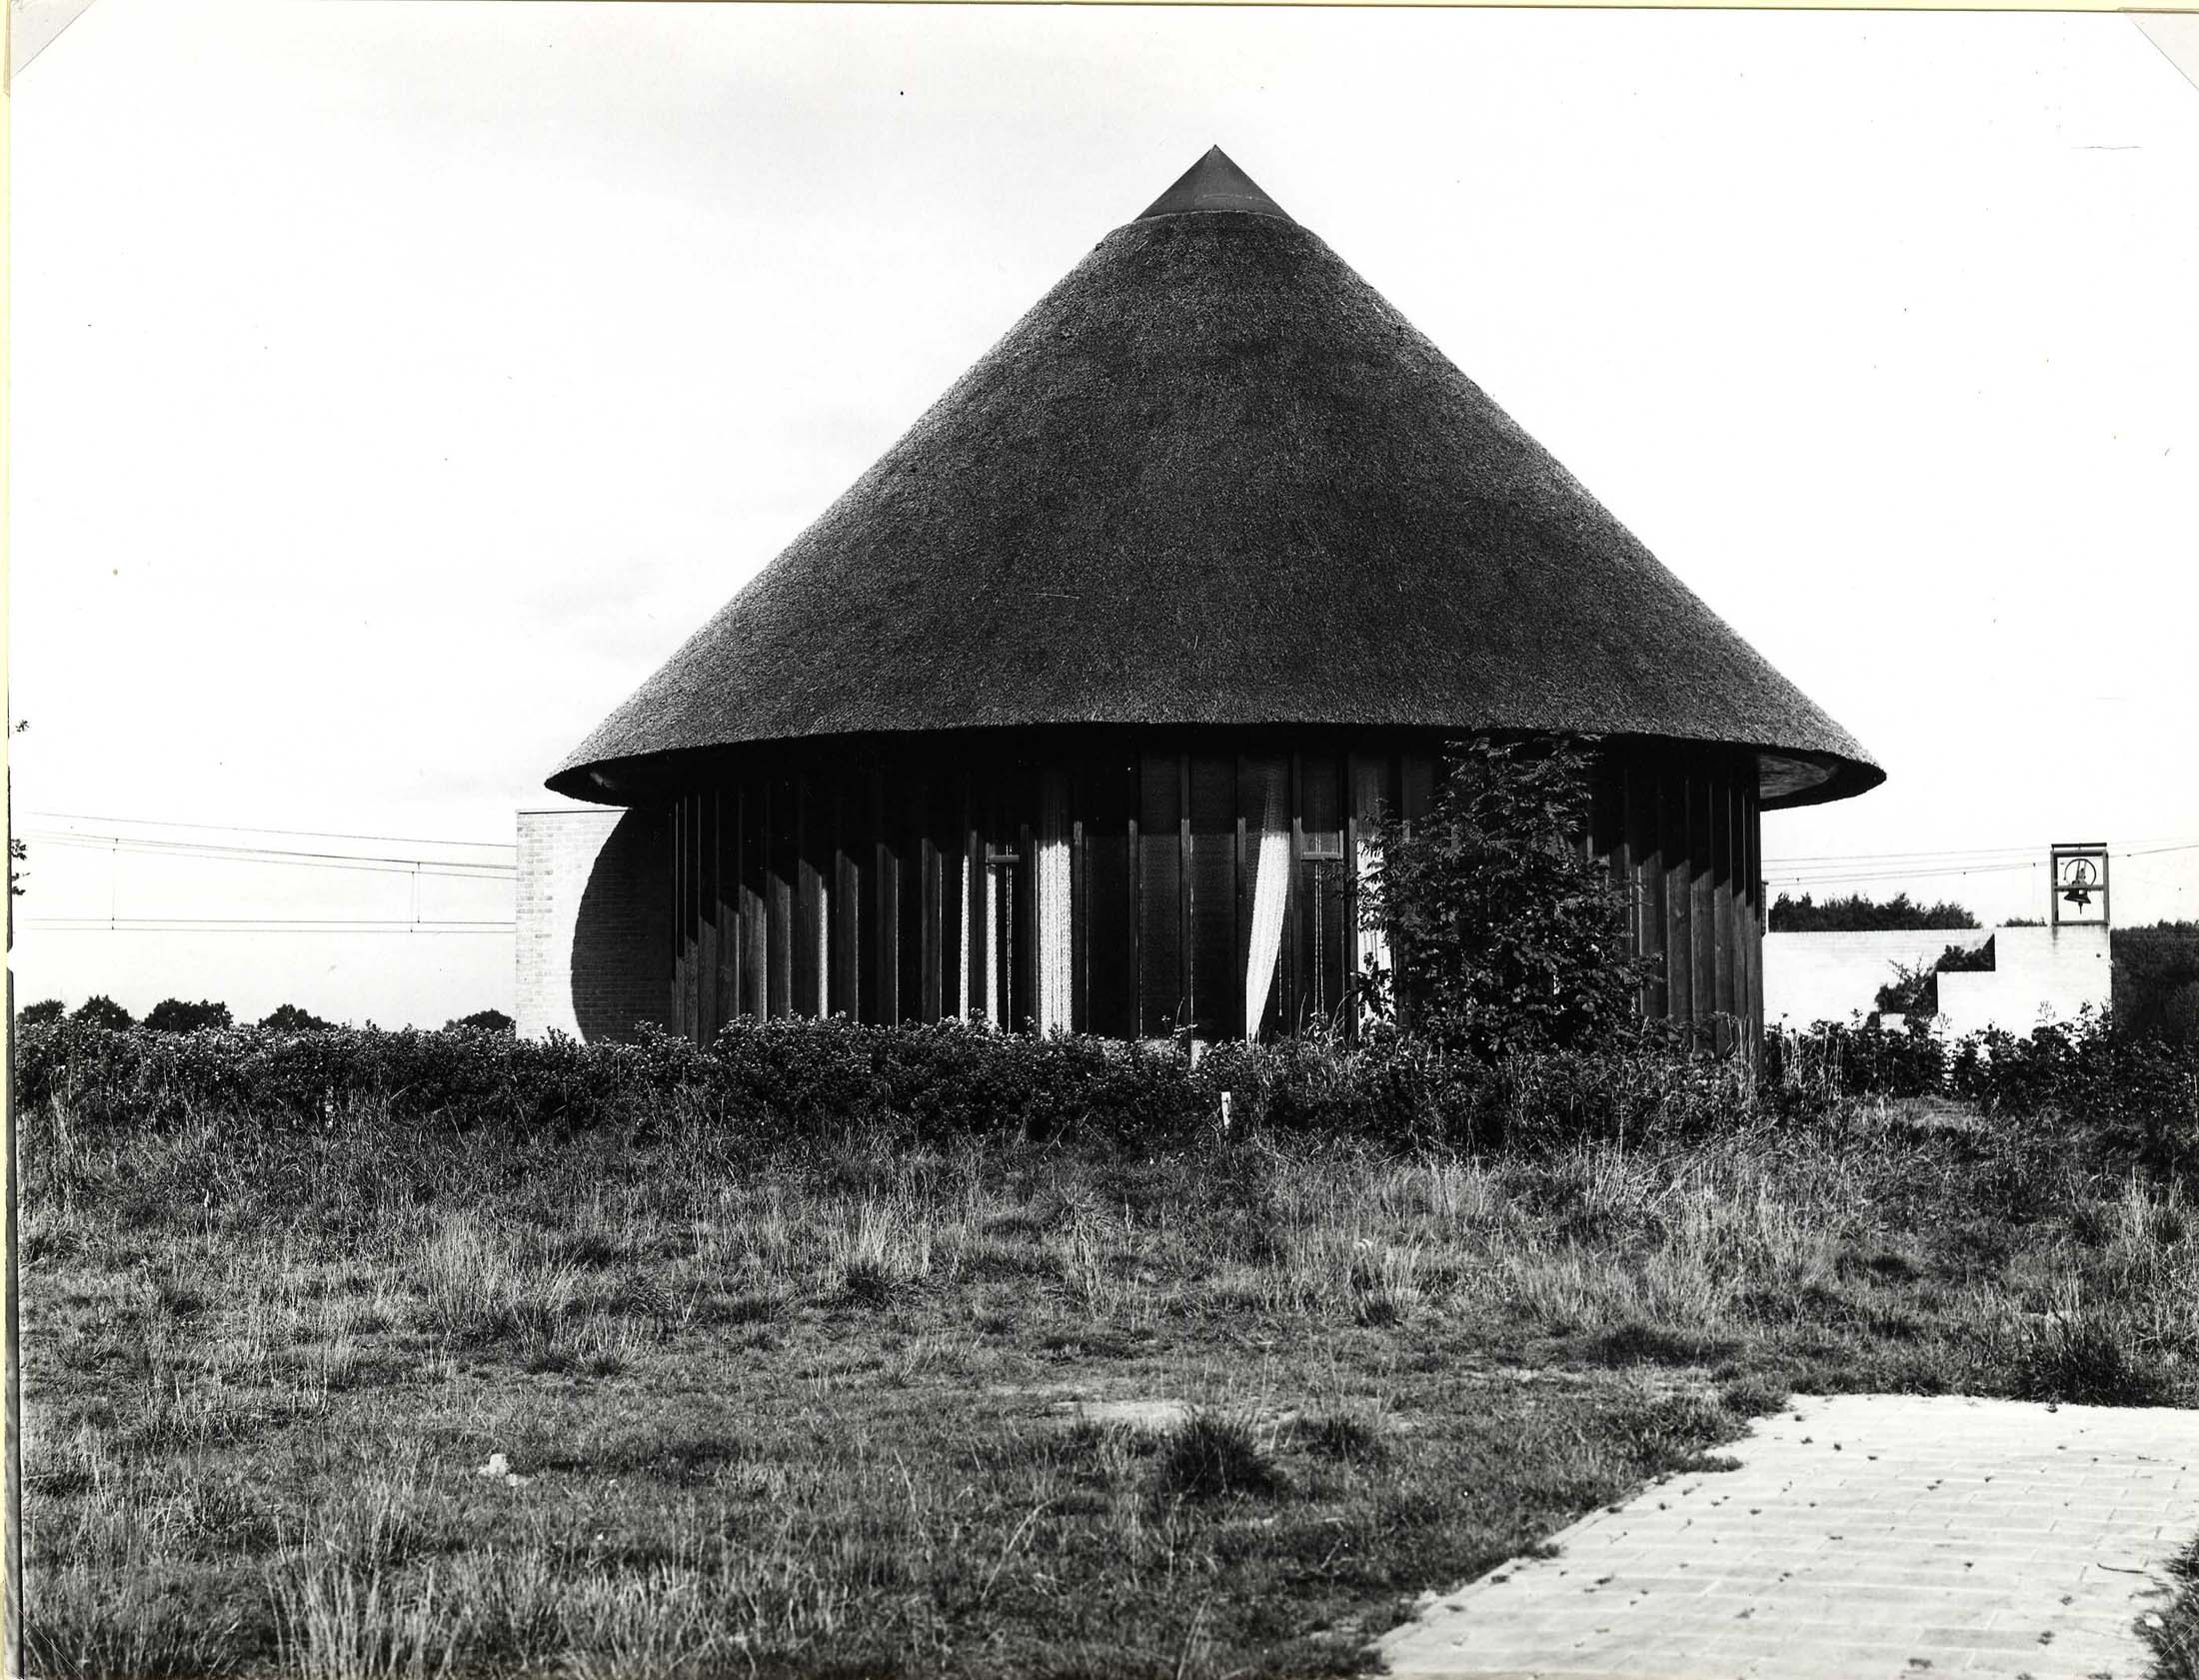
(1136, 796)
(1186, 995)
(932, 912)
(1234, 1025)
(1079, 778)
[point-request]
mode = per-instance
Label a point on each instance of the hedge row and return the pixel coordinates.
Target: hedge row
(777, 1079)
(2138, 1091)
(773, 1081)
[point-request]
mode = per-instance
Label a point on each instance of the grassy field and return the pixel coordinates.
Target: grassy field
(385, 1401)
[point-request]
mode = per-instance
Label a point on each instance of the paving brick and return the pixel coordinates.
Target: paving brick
(1967, 1529)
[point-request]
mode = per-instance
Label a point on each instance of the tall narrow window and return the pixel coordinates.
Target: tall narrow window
(1318, 939)
(1051, 1006)
(1000, 936)
(972, 911)
(1368, 944)
(1323, 905)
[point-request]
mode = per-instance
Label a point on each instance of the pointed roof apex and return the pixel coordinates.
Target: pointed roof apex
(1213, 182)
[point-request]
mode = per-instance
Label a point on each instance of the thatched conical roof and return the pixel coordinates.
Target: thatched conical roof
(1213, 478)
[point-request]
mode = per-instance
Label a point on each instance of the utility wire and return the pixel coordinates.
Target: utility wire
(454, 868)
(2133, 848)
(405, 928)
(1865, 875)
(245, 829)
(276, 921)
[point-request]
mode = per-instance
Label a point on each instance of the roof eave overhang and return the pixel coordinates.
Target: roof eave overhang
(1787, 779)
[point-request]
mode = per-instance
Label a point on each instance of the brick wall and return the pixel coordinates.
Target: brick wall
(594, 931)
(1830, 977)
(2038, 973)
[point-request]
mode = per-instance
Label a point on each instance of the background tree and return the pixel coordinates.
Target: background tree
(102, 1011)
(287, 1017)
(2156, 980)
(482, 1021)
(1508, 933)
(1858, 914)
(173, 1014)
(1915, 990)
(45, 1009)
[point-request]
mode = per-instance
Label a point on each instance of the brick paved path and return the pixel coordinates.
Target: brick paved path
(1864, 1537)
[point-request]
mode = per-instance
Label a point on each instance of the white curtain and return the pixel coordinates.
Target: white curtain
(823, 948)
(1270, 894)
(1053, 884)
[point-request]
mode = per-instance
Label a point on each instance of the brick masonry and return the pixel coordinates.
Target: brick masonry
(1829, 977)
(1863, 1537)
(2038, 973)
(593, 934)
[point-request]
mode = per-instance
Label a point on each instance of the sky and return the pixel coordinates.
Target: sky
(395, 387)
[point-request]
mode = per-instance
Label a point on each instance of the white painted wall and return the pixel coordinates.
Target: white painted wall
(593, 922)
(2039, 973)
(1830, 977)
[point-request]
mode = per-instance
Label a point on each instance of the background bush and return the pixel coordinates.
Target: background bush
(102, 1011)
(173, 1014)
(1509, 936)
(764, 1082)
(2138, 1093)
(287, 1017)
(1915, 991)
(2156, 980)
(1855, 913)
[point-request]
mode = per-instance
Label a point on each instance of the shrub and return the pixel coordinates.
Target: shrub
(45, 1009)
(482, 1021)
(2085, 1357)
(2173, 1632)
(102, 1011)
(1858, 914)
(1509, 935)
(763, 1082)
(173, 1014)
(1209, 1454)
(287, 1017)
(1912, 992)
(2156, 980)
(2139, 1094)
(1915, 991)
(1832, 1059)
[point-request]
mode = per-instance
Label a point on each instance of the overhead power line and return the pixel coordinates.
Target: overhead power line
(390, 863)
(1866, 874)
(247, 829)
(186, 924)
(2131, 847)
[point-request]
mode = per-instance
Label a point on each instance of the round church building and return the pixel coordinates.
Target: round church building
(1072, 711)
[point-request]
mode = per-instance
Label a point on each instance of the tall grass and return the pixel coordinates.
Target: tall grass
(810, 1404)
